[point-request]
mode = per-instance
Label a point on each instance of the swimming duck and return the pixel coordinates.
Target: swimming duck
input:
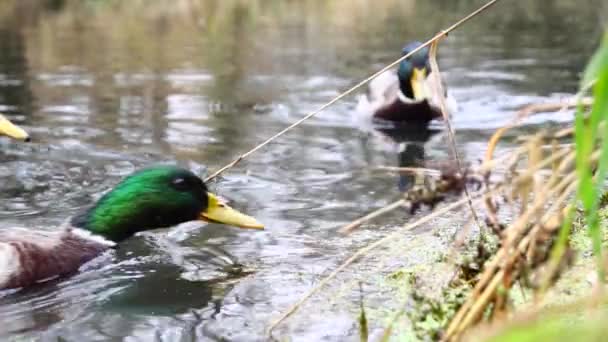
(405, 96)
(11, 130)
(156, 197)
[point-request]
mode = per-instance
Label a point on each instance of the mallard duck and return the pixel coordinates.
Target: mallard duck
(405, 96)
(11, 130)
(156, 197)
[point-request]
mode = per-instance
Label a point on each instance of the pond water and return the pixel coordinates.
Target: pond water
(107, 87)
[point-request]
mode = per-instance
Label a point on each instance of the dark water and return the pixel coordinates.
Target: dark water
(106, 87)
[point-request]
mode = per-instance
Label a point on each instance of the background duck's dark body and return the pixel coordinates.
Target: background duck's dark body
(415, 112)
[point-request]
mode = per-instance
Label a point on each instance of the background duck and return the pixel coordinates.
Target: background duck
(152, 198)
(11, 130)
(405, 96)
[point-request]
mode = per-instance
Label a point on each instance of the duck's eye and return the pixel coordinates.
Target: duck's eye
(180, 184)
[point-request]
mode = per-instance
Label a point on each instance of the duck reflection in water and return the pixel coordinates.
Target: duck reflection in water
(196, 274)
(411, 140)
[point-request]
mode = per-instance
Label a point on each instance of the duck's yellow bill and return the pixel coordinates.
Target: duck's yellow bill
(220, 212)
(11, 130)
(418, 83)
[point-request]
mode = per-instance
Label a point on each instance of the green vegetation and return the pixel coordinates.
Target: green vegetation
(553, 295)
(587, 138)
(584, 230)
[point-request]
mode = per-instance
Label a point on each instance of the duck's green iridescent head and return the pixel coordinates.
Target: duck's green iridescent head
(157, 197)
(11, 130)
(413, 71)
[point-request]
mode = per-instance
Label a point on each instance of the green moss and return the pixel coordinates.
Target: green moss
(579, 239)
(402, 275)
(430, 316)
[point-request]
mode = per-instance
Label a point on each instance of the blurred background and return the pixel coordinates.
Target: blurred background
(108, 86)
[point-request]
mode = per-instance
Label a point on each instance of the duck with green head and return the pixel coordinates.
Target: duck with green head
(405, 96)
(11, 130)
(152, 198)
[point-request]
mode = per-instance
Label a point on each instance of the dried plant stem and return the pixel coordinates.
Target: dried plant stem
(495, 270)
(560, 186)
(446, 117)
(491, 164)
(547, 222)
(566, 155)
(415, 170)
(356, 223)
(553, 265)
(516, 229)
(436, 37)
(541, 108)
(483, 299)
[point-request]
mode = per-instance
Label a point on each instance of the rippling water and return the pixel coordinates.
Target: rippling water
(106, 87)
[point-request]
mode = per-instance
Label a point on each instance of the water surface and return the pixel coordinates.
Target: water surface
(107, 87)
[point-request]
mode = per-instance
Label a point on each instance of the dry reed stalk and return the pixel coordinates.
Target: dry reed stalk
(547, 222)
(520, 115)
(485, 166)
(537, 108)
(414, 170)
(356, 223)
(521, 240)
(569, 103)
(488, 282)
(490, 206)
(468, 317)
(516, 229)
(561, 161)
(553, 223)
(437, 84)
(481, 302)
(523, 176)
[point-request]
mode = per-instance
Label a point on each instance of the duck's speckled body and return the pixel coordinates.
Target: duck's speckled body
(28, 256)
(152, 198)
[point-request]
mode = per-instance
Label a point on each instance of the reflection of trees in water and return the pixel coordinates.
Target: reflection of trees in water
(14, 69)
(227, 44)
(234, 40)
(554, 37)
(228, 48)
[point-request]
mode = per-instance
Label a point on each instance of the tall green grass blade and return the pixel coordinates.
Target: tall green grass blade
(586, 139)
(595, 64)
